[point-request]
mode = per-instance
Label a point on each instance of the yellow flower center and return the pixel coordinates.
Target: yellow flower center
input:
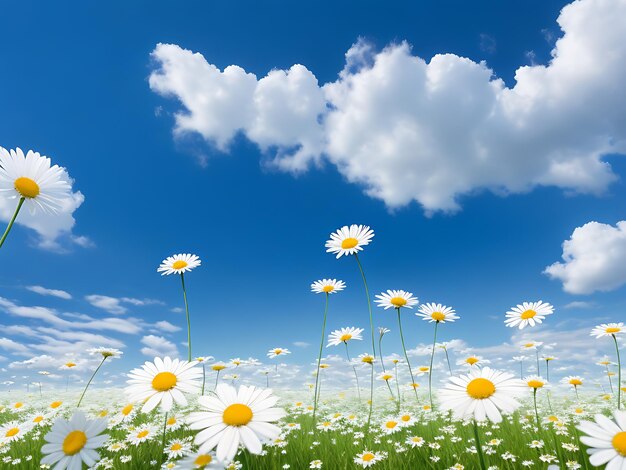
(613, 329)
(70, 364)
(127, 409)
(103, 413)
(164, 381)
(349, 243)
(619, 443)
(176, 446)
(553, 418)
(328, 288)
(575, 382)
(12, 432)
(529, 345)
(528, 314)
(535, 383)
(171, 421)
(38, 419)
(405, 418)
(471, 360)
(278, 351)
(426, 407)
(143, 434)
(387, 377)
(74, 442)
(203, 459)
(19, 404)
(368, 457)
(55, 404)
(367, 359)
(414, 385)
(423, 369)
(346, 337)
(391, 424)
(579, 411)
(480, 388)
(438, 316)
(237, 415)
(219, 367)
(26, 187)
(398, 301)
(179, 264)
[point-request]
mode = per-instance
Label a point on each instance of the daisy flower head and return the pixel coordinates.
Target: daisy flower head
(327, 286)
(344, 335)
(383, 331)
(106, 352)
(74, 442)
(535, 382)
(349, 240)
(439, 313)
(366, 358)
(482, 394)
(606, 439)
(573, 380)
(528, 313)
(396, 299)
(14, 431)
(531, 345)
(472, 360)
(163, 382)
(178, 264)
(275, 352)
(218, 366)
(233, 417)
(368, 458)
(202, 460)
(386, 376)
(608, 329)
(30, 177)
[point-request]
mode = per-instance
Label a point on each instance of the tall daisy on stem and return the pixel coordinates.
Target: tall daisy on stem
(521, 360)
(575, 381)
(180, 264)
(533, 346)
(437, 313)
(398, 299)
(343, 336)
(535, 382)
(349, 241)
(613, 330)
(202, 360)
(482, 395)
(219, 367)
(327, 287)
(382, 332)
(33, 182)
(444, 345)
(105, 353)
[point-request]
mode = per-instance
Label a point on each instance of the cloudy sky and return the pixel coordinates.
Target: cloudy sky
(483, 144)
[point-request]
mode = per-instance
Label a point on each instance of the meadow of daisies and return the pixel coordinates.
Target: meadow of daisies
(193, 412)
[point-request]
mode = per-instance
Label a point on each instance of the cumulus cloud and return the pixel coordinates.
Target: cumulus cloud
(61, 294)
(166, 326)
(115, 305)
(594, 259)
(407, 129)
(158, 346)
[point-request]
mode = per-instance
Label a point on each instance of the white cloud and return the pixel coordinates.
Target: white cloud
(410, 130)
(158, 346)
(594, 259)
(10, 345)
(50, 228)
(166, 326)
(61, 294)
(301, 344)
(114, 305)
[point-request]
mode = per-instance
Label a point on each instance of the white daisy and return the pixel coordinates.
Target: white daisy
(396, 299)
(535, 381)
(105, 352)
(482, 394)
(606, 440)
(367, 458)
(165, 381)
(14, 431)
(432, 312)
(327, 286)
(531, 345)
(74, 442)
(142, 433)
(573, 380)
(201, 460)
(234, 417)
(608, 329)
(178, 264)
(472, 360)
(528, 313)
(344, 335)
(349, 240)
(43, 187)
(275, 352)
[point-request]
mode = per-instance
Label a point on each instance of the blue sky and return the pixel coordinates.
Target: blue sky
(76, 88)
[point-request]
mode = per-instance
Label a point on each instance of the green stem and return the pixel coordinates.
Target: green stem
(535, 403)
(163, 440)
(406, 356)
(203, 378)
(369, 307)
(182, 278)
(356, 376)
(217, 377)
(398, 386)
(17, 210)
(380, 351)
(619, 374)
(430, 370)
(608, 374)
(104, 358)
(319, 358)
(548, 370)
(479, 448)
